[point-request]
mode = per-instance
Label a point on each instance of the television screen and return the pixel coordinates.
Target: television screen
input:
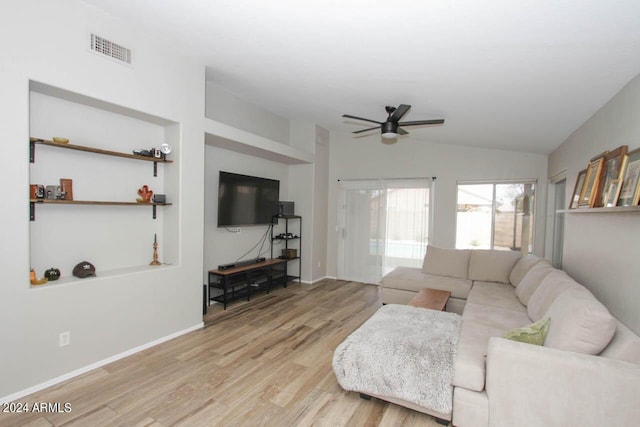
(246, 200)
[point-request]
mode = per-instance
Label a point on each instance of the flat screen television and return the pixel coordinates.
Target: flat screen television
(246, 200)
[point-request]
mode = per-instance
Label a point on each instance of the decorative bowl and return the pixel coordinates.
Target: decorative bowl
(60, 140)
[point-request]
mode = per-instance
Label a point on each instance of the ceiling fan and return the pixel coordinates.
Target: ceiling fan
(391, 128)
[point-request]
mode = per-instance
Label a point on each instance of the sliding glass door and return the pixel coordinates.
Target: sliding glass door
(383, 224)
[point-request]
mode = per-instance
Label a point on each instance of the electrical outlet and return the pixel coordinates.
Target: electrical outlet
(65, 338)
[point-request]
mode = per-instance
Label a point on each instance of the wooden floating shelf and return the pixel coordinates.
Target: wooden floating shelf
(93, 202)
(98, 150)
(34, 202)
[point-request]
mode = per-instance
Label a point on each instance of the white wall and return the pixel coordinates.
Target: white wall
(352, 158)
(320, 204)
(604, 259)
(222, 246)
(305, 184)
(106, 315)
(225, 107)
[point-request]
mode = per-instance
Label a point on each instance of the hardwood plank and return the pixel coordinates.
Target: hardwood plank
(266, 362)
(38, 422)
(101, 417)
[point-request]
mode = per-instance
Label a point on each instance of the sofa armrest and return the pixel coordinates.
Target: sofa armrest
(530, 385)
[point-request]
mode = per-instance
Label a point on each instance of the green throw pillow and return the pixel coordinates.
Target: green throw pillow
(534, 333)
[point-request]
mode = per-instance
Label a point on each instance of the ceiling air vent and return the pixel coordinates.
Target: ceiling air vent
(110, 49)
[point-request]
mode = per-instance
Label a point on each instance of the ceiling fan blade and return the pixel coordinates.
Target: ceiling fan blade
(402, 132)
(422, 122)
(366, 130)
(360, 118)
(400, 111)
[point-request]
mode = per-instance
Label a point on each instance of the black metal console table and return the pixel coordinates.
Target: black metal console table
(239, 282)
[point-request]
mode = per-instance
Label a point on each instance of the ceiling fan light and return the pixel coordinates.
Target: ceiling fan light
(389, 130)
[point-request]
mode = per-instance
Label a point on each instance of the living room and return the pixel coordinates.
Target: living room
(125, 311)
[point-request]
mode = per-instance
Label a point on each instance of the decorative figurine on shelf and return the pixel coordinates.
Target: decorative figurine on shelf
(52, 274)
(145, 194)
(165, 149)
(155, 251)
(35, 280)
(66, 186)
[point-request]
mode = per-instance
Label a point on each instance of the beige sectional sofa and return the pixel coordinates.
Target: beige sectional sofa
(587, 372)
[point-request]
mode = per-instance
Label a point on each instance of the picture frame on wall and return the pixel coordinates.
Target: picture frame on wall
(589, 194)
(612, 169)
(577, 190)
(613, 193)
(630, 191)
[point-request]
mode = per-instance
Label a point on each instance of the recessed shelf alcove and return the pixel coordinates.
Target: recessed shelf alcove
(102, 223)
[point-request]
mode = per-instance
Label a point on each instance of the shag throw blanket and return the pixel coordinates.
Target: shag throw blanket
(402, 352)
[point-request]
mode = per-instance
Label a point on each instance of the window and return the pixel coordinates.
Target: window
(383, 224)
(495, 215)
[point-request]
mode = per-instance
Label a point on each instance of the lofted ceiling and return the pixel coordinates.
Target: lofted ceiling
(518, 75)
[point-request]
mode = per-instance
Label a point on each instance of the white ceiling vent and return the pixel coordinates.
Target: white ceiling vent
(111, 50)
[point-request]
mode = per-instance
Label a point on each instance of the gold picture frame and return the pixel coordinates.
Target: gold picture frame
(577, 189)
(612, 169)
(592, 180)
(630, 191)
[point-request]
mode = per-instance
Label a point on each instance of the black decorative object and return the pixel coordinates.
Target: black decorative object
(52, 274)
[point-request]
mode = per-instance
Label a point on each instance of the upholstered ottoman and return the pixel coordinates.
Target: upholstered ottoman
(404, 355)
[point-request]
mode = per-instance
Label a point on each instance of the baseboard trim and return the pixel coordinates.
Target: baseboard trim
(307, 282)
(98, 364)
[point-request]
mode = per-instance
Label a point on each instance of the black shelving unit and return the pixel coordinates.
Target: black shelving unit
(292, 240)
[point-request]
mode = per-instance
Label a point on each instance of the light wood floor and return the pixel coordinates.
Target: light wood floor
(262, 363)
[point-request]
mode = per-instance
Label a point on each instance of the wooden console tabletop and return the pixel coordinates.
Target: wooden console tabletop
(432, 299)
(234, 270)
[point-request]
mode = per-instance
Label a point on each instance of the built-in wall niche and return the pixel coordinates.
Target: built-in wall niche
(116, 238)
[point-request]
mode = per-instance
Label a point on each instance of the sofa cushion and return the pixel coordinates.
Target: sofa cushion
(446, 262)
(554, 284)
(496, 295)
(471, 408)
(492, 265)
(413, 279)
(625, 345)
(521, 268)
(534, 333)
(479, 323)
(531, 280)
(579, 322)
(469, 365)
(503, 319)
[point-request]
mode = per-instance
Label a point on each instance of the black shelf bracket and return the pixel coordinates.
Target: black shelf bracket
(32, 211)
(155, 171)
(154, 211)
(32, 151)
